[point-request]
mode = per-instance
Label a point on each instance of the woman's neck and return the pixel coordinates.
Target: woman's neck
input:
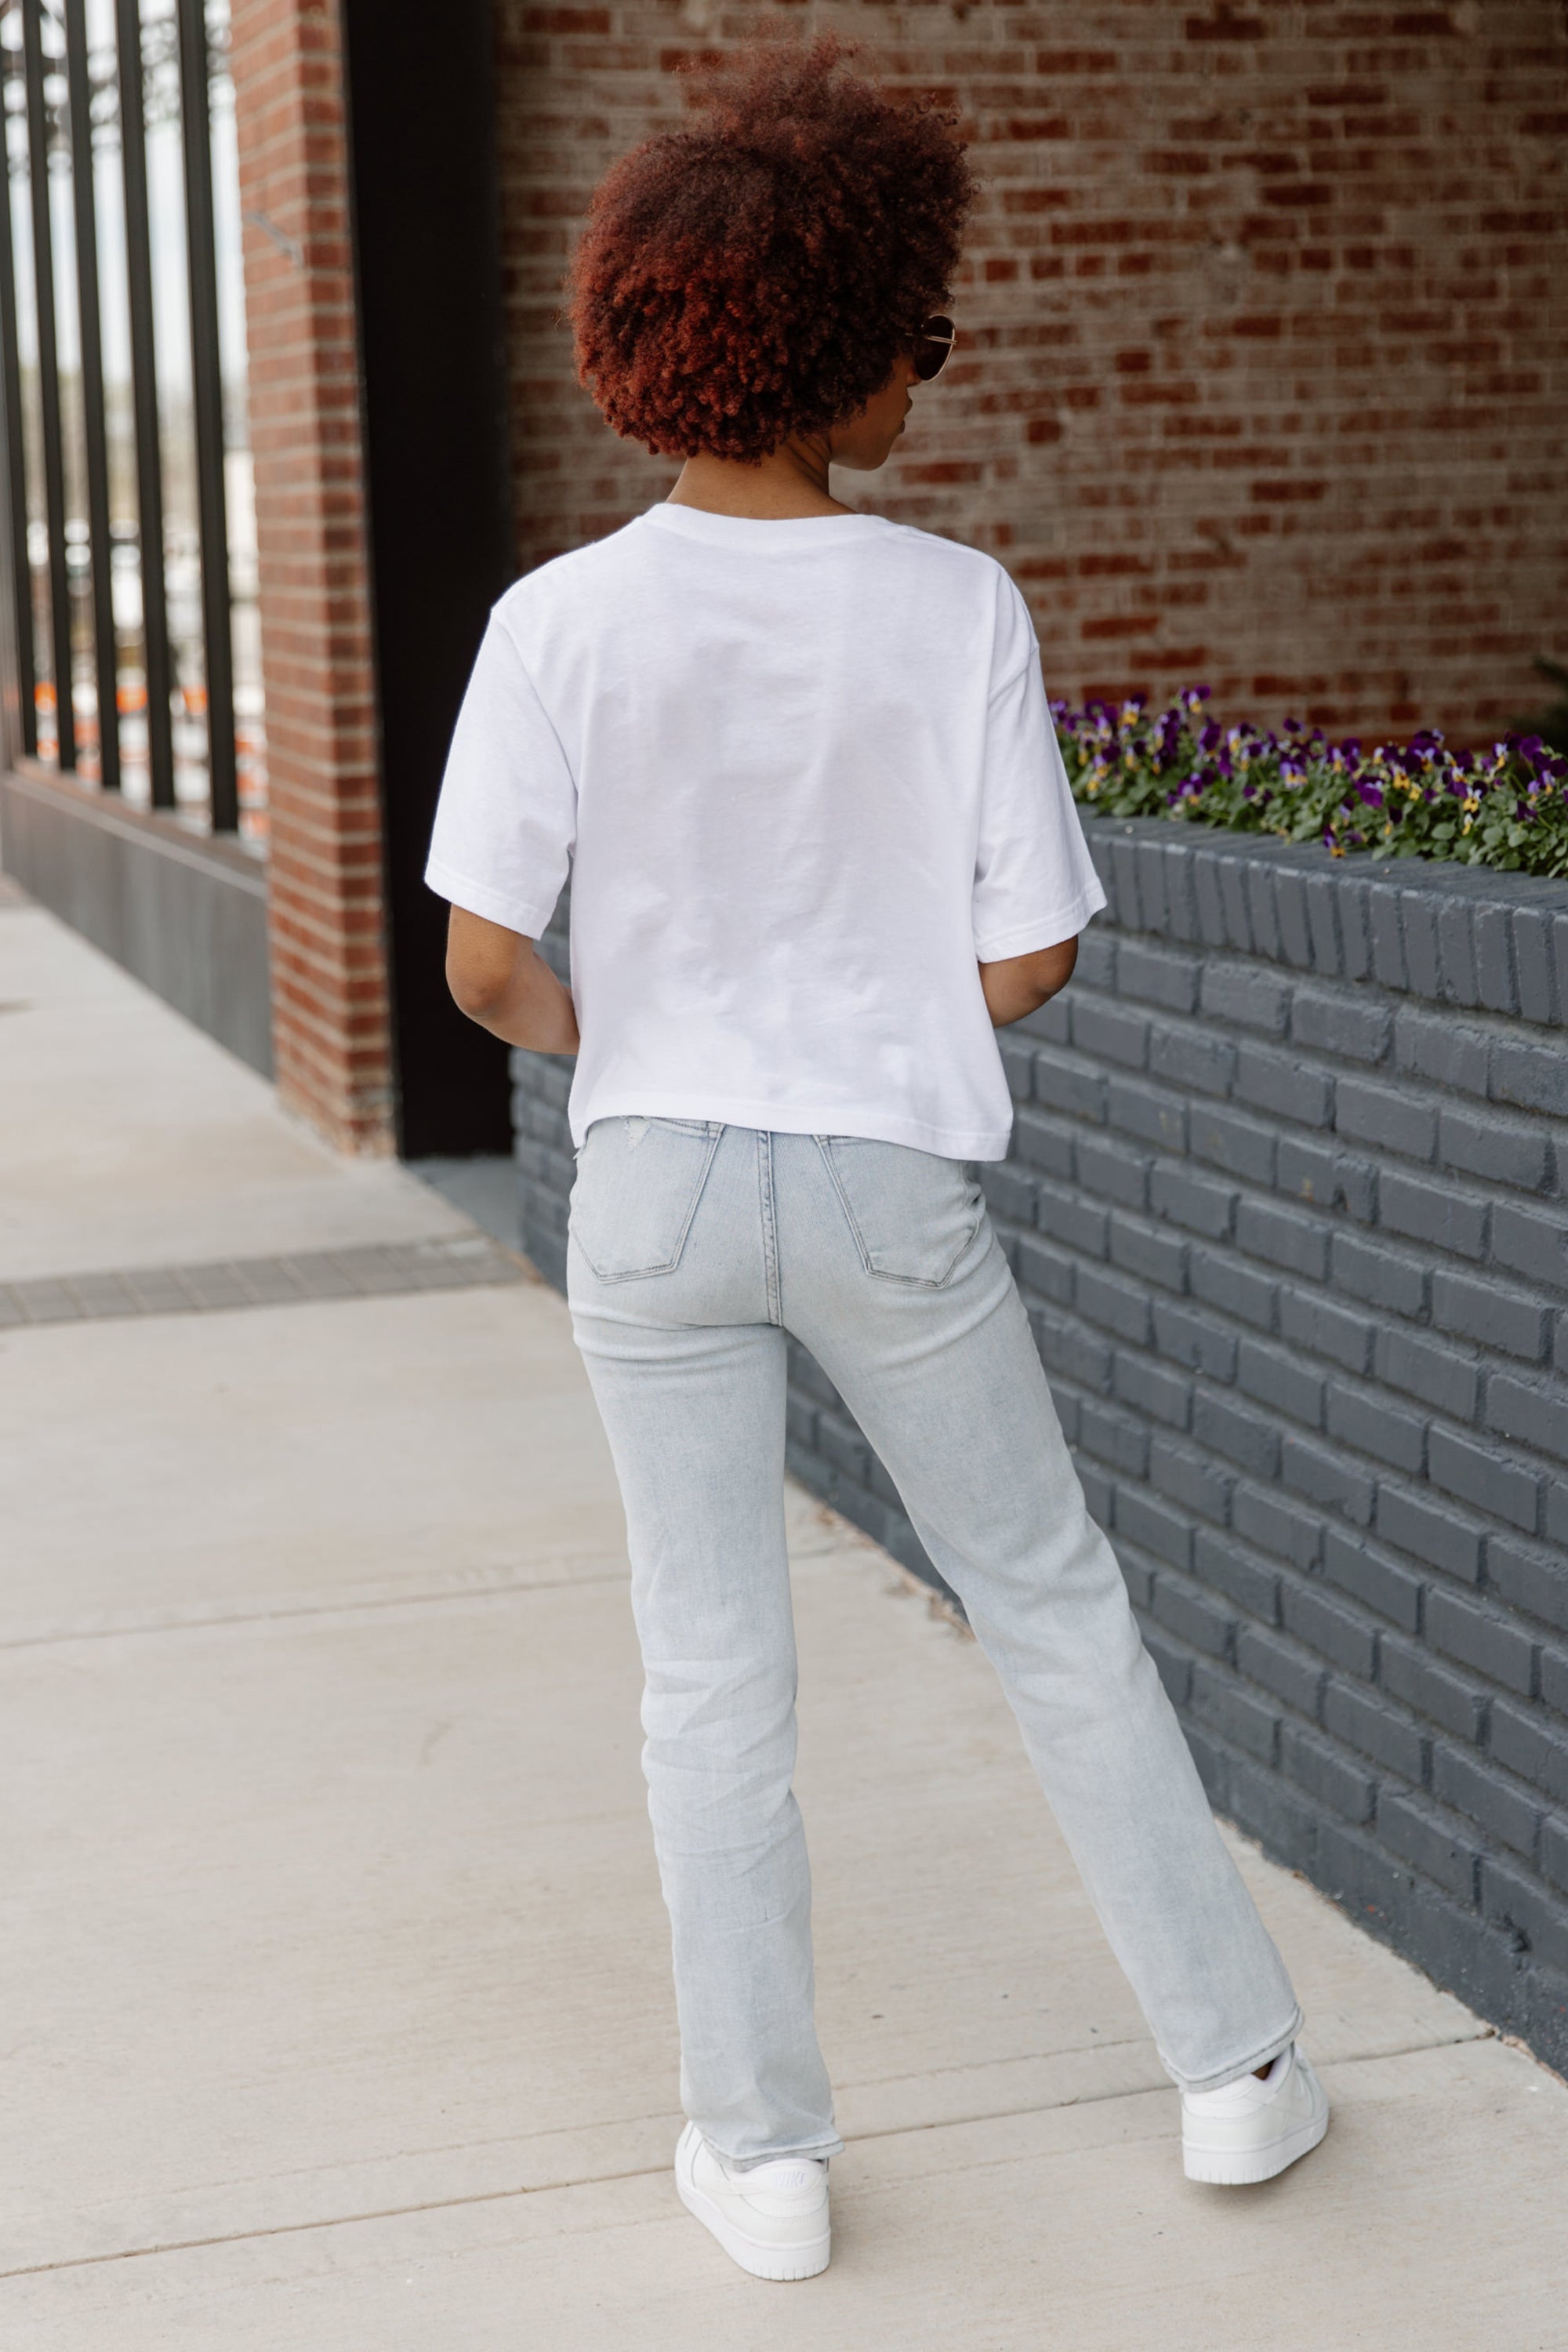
(785, 487)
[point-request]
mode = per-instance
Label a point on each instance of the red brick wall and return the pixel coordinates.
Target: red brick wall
(1263, 380)
(330, 1029)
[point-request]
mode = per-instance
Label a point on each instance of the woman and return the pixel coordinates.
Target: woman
(799, 762)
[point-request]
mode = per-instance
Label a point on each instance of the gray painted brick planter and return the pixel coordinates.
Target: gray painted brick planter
(1287, 1202)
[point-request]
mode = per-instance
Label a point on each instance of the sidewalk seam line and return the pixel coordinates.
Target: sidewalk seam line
(324, 1609)
(640, 2172)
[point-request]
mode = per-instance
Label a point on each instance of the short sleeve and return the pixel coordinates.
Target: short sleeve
(507, 816)
(1035, 883)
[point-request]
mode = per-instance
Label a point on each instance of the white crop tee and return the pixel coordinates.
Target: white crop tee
(803, 779)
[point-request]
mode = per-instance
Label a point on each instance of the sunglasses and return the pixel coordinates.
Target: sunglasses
(933, 348)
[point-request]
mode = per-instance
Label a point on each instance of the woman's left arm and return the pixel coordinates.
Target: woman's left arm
(1021, 984)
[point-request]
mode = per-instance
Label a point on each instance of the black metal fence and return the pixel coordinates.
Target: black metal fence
(135, 657)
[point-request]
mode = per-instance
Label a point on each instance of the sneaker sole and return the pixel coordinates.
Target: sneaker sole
(1243, 2168)
(762, 2261)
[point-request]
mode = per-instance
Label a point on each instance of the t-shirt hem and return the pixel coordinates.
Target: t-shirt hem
(1047, 930)
(524, 916)
(795, 1119)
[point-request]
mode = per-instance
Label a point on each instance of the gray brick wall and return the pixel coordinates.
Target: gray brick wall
(541, 1140)
(1287, 1204)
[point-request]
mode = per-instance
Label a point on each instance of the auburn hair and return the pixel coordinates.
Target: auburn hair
(760, 271)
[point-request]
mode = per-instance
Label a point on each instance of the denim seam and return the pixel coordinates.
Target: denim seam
(769, 1223)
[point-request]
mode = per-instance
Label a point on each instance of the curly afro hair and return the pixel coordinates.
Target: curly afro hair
(760, 271)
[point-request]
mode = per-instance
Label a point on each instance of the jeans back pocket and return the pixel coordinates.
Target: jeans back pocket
(638, 1186)
(912, 1213)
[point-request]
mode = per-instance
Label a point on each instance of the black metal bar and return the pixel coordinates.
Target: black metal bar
(94, 430)
(207, 386)
(48, 376)
(426, 230)
(16, 460)
(144, 400)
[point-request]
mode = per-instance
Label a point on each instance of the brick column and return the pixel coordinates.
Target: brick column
(330, 1030)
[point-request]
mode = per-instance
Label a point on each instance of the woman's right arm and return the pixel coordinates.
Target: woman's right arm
(499, 980)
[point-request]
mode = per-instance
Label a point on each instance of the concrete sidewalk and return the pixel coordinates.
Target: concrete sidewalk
(338, 2013)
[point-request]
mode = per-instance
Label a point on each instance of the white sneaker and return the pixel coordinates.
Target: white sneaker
(1252, 2129)
(772, 2220)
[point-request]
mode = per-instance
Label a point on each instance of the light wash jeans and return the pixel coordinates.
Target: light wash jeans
(695, 1248)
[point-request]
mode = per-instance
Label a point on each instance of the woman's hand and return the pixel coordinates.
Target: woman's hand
(1021, 984)
(499, 980)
